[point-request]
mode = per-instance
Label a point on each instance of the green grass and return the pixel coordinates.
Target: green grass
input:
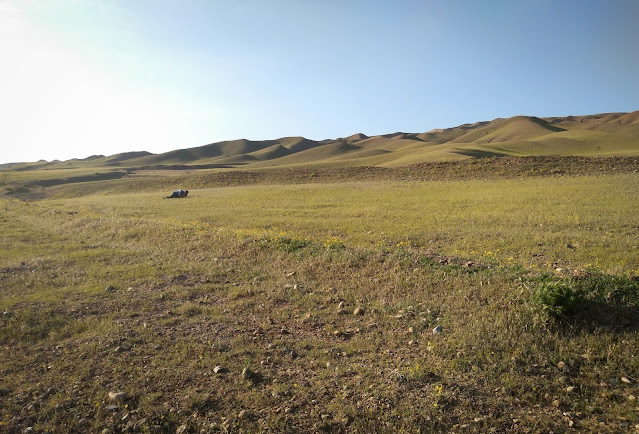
(525, 221)
(253, 276)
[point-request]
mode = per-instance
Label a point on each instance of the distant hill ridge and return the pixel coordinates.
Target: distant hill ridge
(598, 134)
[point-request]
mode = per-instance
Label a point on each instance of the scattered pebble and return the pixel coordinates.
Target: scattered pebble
(626, 380)
(139, 424)
(109, 289)
(219, 369)
(570, 389)
(249, 374)
(562, 365)
(411, 330)
(118, 396)
(438, 329)
(340, 305)
(358, 311)
(564, 380)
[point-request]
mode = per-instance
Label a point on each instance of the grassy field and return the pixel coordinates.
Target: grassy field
(523, 221)
(328, 292)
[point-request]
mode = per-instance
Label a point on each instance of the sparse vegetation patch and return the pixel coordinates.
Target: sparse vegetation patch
(486, 305)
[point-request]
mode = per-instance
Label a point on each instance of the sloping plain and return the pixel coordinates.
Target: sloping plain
(600, 134)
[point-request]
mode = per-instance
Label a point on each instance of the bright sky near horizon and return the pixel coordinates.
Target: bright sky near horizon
(86, 77)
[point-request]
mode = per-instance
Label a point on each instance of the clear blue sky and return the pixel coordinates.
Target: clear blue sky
(84, 77)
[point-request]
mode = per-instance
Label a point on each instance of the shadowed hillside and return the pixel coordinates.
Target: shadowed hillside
(605, 134)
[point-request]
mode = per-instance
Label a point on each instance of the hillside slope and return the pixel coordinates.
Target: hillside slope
(598, 134)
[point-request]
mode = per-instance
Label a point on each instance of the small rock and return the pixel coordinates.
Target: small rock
(613, 381)
(219, 369)
(308, 318)
(249, 374)
(411, 330)
(438, 329)
(130, 289)
(570, 389)
(118, 396)
(562, 365)
(329, 365)
(564, 380)
(109, 289)
(411, 343)
(340, 305)
(139, 424)
(626, 380)
(244, 414)
(358, 311)
(632, 398)
(291, 274)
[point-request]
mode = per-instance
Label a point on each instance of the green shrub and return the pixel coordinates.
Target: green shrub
(602, 288)
(556, 298)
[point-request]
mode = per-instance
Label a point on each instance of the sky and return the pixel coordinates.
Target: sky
(99, 77)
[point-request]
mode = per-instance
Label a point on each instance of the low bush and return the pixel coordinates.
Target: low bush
(556, 298)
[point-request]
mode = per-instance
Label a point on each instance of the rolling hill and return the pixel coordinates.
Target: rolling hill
(589, 135)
